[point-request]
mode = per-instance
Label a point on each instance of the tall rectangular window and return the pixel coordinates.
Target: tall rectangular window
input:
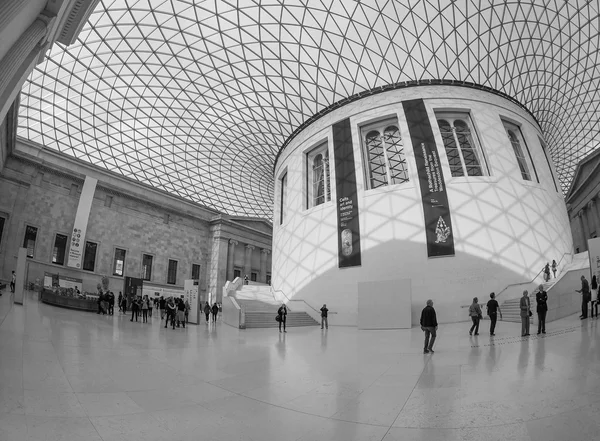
(2, 221)
(318, 176)
(548, 161)
(146, 266)
(384, 154)
(464, 154)
(195, 271)
(29, 240)
(172, 272)
(515, 136)
(60, 246)
(283, 190)
(119, 262)
(89, 256)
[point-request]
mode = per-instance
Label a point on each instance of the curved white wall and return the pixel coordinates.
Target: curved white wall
(505, 228)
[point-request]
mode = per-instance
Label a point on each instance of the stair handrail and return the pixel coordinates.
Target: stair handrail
(273, 291)
(532, 280)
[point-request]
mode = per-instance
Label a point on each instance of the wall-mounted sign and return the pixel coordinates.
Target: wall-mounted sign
(438, 225)
(347, 201)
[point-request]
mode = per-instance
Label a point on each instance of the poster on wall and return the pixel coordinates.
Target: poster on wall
(594, 256)
(81, 220)
(192, 295)
(436, 211)
(347, 200)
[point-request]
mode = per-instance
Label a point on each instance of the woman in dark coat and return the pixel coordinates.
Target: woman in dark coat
(282, 313)
(215, 311)
(207, 311)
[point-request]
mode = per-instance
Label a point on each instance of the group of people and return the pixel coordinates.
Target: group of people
(546, 270)
(429, 323)
(138, 303)
(106, 303)
(175, 309)
(588, 296)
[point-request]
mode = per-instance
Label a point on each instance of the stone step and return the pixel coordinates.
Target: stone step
(267, 319)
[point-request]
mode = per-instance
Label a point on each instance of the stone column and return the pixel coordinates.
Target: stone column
(592, 217)
(230, 254)
(10, 9)
(248, 261)
(262, 277)
(584, 229)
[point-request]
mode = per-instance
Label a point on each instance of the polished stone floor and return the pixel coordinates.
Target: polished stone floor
(67, 375)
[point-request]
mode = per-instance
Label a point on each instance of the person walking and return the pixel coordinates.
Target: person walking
(594, 286)
(585, 297)
(145, 307)
(493, 308)
(135, 308)
(215, 312)
(111, 303)
(181, 313)
(171, 312)
(124, 304)
(525, 307)
(554, 265)
(547, 272)
(187, 310)
(429, 325)
(541, 299)
(162, 304)
(150, 305)
(475, 314)
(207, 312)
(120, 300)
(282, 313)
(324, 311)
(13, 282)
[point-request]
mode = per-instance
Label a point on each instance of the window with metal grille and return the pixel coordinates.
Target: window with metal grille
(119, 262)
(147, 266)
(172, 272)
(89, 256)
(29, 240)
(195, 271)
(60, 247)
(464, 155)
(384, 153)
(319, 187)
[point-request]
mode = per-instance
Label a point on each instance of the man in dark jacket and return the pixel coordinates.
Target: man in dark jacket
(585, 297)
(429, 324)
(541, 299)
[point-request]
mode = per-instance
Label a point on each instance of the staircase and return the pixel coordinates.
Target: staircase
(260, 309)
(511, 309)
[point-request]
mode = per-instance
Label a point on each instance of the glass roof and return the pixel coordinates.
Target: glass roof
(196, 97)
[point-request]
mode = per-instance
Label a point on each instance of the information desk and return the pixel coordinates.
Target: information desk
(68, 302)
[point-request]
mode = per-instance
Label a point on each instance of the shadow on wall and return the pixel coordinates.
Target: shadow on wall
(450, 282)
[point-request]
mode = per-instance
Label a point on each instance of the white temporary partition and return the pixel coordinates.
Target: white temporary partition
(191, 292)
(594, 256)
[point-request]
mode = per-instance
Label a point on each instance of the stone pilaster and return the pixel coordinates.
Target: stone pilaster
(248, 261)
(584, 229)
(230, 255)
(592, 217)
(262, 276)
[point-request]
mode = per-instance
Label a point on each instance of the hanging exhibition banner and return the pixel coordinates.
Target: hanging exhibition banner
(81, 221)
(191, 290)
(436, 211)
(347, 200)
(594, 255)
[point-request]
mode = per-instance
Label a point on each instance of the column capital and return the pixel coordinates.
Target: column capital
(249, 247)
(265, 251)
(233, 242)
(591, 203)
(580, 213)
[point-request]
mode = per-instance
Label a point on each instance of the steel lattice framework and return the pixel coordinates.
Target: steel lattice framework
(196, 97)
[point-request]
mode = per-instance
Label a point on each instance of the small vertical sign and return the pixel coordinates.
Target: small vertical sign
(81, 220)
(436, 210)
(347, 200)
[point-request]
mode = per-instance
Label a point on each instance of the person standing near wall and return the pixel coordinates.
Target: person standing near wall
(187, 310)
(429, 325)
(324, 311)
(525, 307)
(493, 308)
(541, 299)
(475, 314)
(585, 297)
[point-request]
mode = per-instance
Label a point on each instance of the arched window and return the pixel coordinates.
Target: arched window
(319, 188)
(384, 153)
(464, 156)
